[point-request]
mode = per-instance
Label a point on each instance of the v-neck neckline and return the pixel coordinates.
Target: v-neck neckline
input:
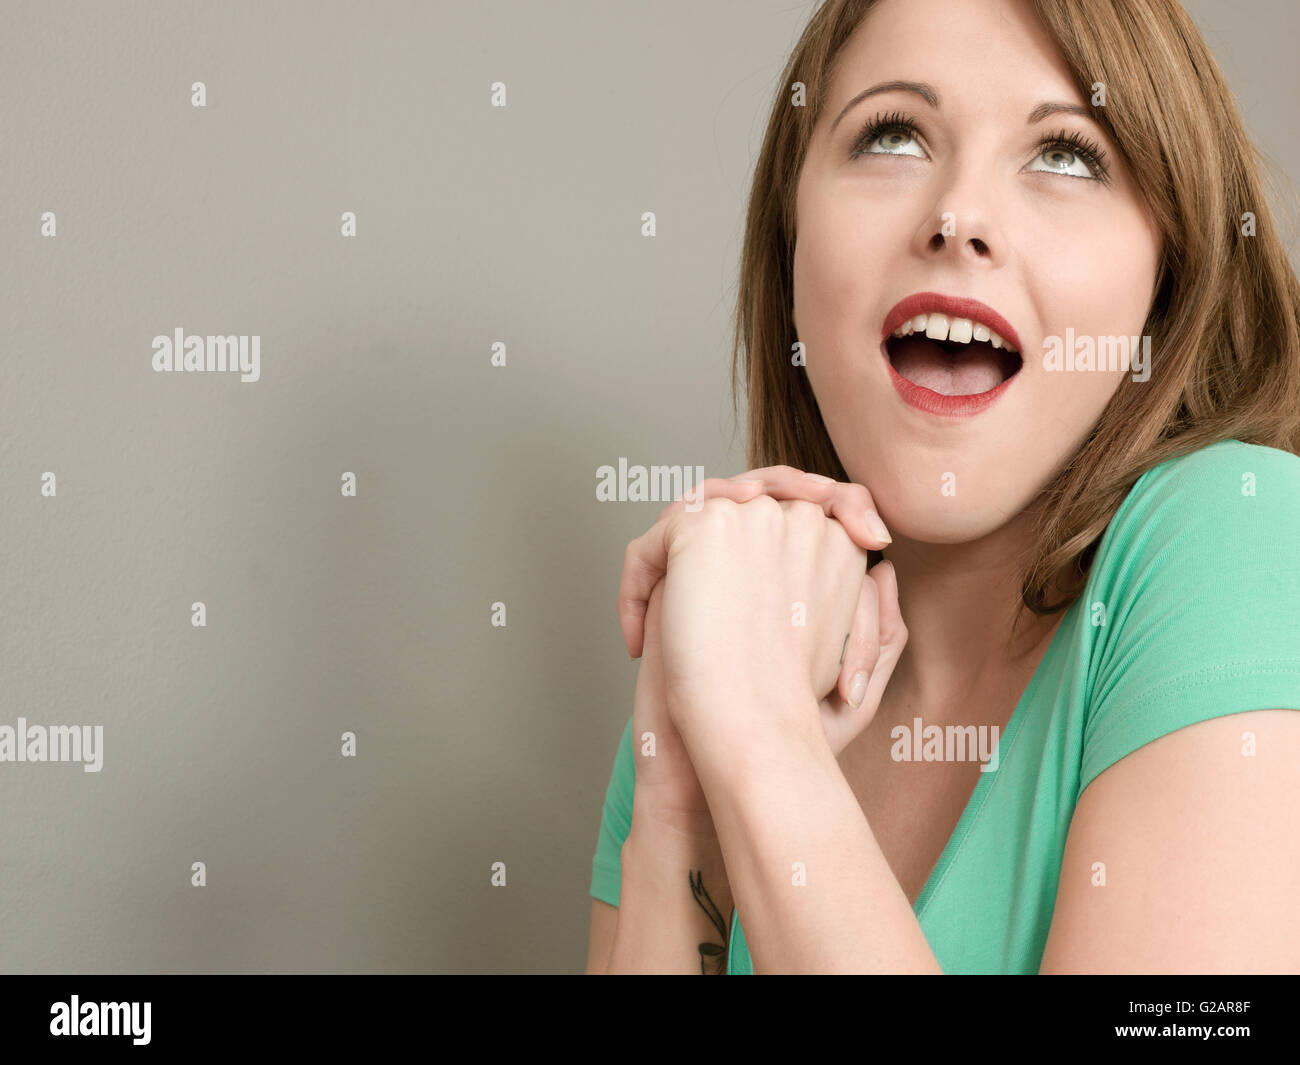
(979, 794)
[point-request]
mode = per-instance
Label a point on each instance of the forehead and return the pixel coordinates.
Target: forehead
(977, 54)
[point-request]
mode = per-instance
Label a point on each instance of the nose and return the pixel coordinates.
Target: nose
(962, 227)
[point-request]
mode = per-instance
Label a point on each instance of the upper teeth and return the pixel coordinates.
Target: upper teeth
(940, 327)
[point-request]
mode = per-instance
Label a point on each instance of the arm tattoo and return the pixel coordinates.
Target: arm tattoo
(713, 958)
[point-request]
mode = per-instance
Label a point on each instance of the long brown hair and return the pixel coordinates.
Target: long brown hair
(1224, 324)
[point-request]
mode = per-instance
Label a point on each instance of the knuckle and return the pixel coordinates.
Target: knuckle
(715, 513)
(805, 517)
(652, 604)
(805, 509)
(839, 536)
(853, 553)
(858, 495)
(635, 565)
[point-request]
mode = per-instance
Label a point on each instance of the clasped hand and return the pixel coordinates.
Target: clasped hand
(767, 609)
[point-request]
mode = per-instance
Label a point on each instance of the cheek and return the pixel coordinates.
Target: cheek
(836, 279)
(1067, 406)
(1104, 272)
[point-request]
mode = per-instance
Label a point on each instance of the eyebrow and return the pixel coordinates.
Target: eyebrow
(930, 95)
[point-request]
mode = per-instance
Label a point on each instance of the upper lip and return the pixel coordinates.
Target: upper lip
(953, 307)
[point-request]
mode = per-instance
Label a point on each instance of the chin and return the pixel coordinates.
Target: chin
(939, 521)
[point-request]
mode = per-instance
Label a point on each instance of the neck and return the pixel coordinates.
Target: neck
(959, 602)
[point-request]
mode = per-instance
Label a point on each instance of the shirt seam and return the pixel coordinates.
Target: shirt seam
(1199, 678)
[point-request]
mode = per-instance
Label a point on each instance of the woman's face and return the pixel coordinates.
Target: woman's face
(978, 200)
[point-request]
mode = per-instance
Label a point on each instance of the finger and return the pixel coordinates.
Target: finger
(654, 610)
(644, 563)
(891, 630)
(851, 504)
(862, 648)
(733, 488)
(646, 559)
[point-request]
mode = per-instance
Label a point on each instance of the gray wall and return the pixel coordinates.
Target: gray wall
(475, 484)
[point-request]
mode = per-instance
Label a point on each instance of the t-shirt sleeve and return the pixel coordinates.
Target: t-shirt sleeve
(615, 823)
(1200, 592)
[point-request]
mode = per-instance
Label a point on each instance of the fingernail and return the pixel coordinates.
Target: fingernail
(877, 527)
(819, 478)
(859, 688)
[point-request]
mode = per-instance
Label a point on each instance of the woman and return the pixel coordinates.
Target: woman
(1010, 282)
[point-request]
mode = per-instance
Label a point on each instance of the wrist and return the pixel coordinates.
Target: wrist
(660, 819)
(717, 722)
(654, 849)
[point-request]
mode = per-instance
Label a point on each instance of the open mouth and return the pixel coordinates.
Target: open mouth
(951, 367)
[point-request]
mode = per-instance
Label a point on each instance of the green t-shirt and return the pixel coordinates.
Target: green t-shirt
(1191, 611)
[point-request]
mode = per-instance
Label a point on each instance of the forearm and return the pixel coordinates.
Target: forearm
(675, 904)
(814, 890)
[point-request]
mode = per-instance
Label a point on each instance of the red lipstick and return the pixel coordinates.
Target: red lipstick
(932, 402)
(923, 398)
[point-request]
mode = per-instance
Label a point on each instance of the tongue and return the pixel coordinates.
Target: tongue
(974, 369)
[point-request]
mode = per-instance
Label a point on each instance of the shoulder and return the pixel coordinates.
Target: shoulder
(1191, 599)
(1180, 858)
(1193, 622)
(1221, 510)
(1237, 482)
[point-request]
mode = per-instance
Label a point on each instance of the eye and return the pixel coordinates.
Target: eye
(1072, 155)
(891, 134)
(1063, 161)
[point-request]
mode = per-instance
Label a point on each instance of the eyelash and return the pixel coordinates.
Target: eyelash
(1085, 148)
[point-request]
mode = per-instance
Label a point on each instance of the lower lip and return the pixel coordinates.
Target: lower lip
(924, 399)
